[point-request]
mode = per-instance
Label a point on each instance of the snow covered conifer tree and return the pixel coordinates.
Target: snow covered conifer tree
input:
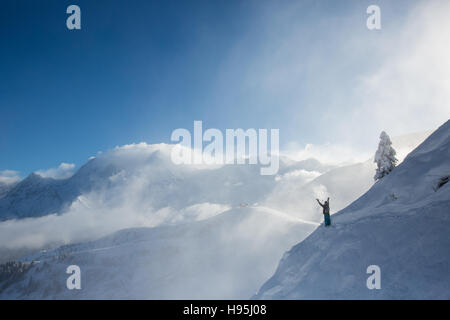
(384, 157)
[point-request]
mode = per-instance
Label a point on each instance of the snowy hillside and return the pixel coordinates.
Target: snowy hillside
(226, 256)
(402, 224)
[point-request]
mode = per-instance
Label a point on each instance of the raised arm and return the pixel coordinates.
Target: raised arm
(319, 203)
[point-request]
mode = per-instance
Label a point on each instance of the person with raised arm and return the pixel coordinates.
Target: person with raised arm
(326, 211)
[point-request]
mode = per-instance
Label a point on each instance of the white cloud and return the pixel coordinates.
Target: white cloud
(299, 175)
(138, 195)
(195, 212)
(92, 216)
(410, 90)
(334, 154)
(9, 176)
(64, 170)
(351, 83)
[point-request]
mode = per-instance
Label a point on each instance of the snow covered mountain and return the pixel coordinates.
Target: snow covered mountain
(164, 183)
(5, 187)
(402, 225)
(226, 256)
(37, 196)
(138, 186)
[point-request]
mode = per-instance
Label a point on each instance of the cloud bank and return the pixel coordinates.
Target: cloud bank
(9, 176)
(63, 171)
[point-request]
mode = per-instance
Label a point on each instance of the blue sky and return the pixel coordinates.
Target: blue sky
(138, 70)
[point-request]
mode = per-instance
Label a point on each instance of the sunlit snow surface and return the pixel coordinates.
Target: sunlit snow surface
(402, 224)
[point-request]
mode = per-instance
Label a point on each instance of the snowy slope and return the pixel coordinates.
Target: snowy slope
(226, 256)
(402, 224)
